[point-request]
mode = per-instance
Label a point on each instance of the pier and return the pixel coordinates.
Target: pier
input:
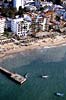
(14, 76)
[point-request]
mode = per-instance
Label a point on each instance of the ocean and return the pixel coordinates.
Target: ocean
(37, 62)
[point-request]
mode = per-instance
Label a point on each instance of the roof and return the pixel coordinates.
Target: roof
(2, 18)
(17, 19)
(49, 13)
(27, 17)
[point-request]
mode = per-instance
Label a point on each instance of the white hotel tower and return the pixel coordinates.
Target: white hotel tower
(2, 24)
(18, 3)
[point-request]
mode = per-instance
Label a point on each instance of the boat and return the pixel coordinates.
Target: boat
(26, 75)
(59, 94)
(45, 76)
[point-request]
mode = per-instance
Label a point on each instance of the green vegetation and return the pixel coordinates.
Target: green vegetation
(8, 12)
(57, 18)
(11, 12)
(20, 11)
(7, 34)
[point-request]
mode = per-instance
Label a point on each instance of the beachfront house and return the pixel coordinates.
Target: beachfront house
(2, 24)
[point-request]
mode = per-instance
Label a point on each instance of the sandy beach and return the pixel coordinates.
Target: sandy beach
(11, 48)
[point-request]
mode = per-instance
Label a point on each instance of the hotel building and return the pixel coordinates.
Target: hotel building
(20, 27)
(2, 24)
(18, 3)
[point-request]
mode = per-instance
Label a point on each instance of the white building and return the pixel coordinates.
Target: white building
(2, 24)
(43, 24)
(27, 1)
(18, 3)
(16, 26)
(46, 4)
(20, 27)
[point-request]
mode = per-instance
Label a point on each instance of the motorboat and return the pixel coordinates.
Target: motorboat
(45, 76)
(59, 94)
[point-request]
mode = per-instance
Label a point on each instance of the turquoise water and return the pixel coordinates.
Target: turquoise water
(37, 62)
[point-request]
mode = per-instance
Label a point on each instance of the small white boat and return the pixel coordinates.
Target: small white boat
(26, 75)
(59, 94)
(45, 76)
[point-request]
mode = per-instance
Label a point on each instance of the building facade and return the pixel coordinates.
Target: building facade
(18, 3)
(43, 24)
(2, 24)
(20, 27)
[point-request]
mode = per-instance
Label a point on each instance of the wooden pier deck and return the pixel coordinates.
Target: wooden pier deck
(14, 76)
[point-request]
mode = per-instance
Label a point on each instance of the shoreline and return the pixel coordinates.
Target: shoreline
(45, 43)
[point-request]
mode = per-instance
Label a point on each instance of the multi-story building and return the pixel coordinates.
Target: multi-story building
(43, 24)
(2, 24)
(16, 26)
(18, 3)
(20, 27)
